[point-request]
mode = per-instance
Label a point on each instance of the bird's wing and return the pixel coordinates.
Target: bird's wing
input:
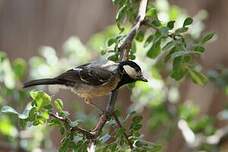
(87, 74)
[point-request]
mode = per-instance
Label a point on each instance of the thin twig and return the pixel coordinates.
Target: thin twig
(215, 139)
(219, 137)
(120, 126)
(58, 117)
(126, 45)
(67, 121)
(124, 49)
(105, 117)
(100, 124)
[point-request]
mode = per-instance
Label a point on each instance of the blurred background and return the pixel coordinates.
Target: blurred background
(53, 33)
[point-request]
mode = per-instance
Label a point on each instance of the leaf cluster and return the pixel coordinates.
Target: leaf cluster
(164, 42)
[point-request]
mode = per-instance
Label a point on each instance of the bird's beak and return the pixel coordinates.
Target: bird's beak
(141, 78)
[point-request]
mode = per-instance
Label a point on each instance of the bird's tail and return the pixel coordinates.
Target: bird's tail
(42, 82)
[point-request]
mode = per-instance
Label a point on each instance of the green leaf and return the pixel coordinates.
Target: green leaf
(187, 21)
(170, 45)
(154, 50)
(132, 56)
(8, 109)
(113, 57)
(140, 36)
(7, 74)
(207, 37)
(170, 24)
(179, 70)
(45, 115)
(151, 12)
(41, 99)
(111, 41)
(54, 122)
(137, 119)
(64, 114)
(62, 130)
(58, 104)
(7, 128)
(24, 115)
(164, 31)
(149, 39)
(133, 50)
(199, 49)
(181, 30)
(136, 127)
(156, 23)
(103, 52)
(178, 73)
(133, 47)
(2, 56)
(197, 77)
(19, 68)
(120, 132)
(188, 111)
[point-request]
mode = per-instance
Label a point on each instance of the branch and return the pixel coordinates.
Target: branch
(195, 140)
(124, 53)
(124, 48)
(126, 45)
(219, 137)
(120, 126)
(67, 121)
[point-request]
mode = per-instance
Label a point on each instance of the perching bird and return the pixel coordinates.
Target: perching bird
(95, 79)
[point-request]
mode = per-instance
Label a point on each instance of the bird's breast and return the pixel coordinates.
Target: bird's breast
(89, 91)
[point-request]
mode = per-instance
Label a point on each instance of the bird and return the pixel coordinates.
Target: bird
(94, 79)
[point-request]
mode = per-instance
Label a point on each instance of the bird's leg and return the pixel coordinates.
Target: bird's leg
(88, 101)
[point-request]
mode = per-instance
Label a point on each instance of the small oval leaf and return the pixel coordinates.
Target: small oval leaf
(187, 21)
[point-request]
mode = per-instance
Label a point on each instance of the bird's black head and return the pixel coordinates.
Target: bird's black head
(130, 72)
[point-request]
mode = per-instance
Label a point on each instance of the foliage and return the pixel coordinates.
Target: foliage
(162, 38)
(165, 45)
(40, 111)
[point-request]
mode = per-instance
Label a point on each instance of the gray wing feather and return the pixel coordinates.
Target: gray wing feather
(91, 75)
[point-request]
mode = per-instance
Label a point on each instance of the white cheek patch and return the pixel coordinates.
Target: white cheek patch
(130, 71)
